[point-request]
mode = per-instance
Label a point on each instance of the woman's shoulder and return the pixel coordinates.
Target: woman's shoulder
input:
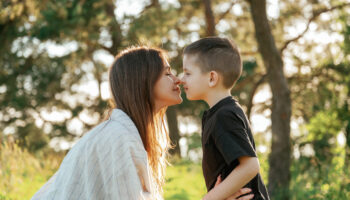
(120, 123)
(119, 128)
(119, 117)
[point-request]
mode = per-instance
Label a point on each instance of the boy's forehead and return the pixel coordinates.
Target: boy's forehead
(188, 67)
(191, 66)
(189, 61)
(191, 57)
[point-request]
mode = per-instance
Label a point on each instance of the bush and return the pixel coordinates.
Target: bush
(22, 174)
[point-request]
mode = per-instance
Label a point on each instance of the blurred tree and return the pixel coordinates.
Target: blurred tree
(34, 81)
(345, 109)
(322, 100)
(280, 156)
(279, 162)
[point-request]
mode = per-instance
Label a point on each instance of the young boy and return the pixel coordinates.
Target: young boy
(211, 68)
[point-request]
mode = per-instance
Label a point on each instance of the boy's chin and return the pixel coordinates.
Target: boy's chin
(191, 98)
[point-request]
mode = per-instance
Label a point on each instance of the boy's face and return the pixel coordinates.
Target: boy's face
(195, 82)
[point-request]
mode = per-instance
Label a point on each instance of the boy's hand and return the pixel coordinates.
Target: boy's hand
(241, 192)
(237, 194)
(218, 181)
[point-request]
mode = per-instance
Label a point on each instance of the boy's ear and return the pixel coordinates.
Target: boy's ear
(213, 78)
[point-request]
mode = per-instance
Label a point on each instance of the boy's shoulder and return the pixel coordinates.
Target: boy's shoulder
(231, 115)
(231, 109)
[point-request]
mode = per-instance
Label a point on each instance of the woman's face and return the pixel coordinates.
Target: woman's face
(166, 90)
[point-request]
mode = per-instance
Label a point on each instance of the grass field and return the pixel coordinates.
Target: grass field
(184, 181)
(22, 174)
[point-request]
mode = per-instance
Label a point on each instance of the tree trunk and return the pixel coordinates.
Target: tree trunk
(173, 130)
(347, 135)
(115, 31)
(347, 145)
(280, 156)
(209, 18)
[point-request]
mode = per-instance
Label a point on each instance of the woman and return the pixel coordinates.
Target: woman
(124, 156)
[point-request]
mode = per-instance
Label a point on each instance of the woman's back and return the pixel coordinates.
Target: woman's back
(108, 162)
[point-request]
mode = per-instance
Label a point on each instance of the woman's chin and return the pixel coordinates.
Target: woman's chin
(180, 100)
(176, 101)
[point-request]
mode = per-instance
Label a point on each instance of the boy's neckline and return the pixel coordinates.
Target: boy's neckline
(220, 103)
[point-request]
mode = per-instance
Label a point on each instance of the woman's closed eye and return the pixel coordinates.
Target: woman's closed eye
(168, 71)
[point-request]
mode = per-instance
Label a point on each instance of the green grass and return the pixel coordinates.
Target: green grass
(22, 174)
(184, 181)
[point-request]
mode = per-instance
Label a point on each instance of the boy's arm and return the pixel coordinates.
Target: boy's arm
(247, 169)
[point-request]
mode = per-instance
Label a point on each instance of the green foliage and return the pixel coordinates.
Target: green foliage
(194, 141)
(184, 181)
(314, 180)
(33, 81)
(323, 128)
(21, 173)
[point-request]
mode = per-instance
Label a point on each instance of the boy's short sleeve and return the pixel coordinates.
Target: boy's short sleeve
(231, 137)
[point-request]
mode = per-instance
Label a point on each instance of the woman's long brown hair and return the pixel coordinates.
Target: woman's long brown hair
(132, 78)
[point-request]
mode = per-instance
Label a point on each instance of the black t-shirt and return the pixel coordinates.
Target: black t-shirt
(226, 136)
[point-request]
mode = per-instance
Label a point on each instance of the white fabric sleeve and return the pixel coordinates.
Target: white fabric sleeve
(132, 173)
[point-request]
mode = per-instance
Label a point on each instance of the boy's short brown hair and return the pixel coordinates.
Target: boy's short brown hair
(217, 54)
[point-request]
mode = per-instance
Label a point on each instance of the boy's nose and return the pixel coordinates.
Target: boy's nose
(181, 80)
(177, 81)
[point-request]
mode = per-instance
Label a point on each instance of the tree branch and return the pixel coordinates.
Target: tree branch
(316, 14)
(154, 3)
(115, 30)
(223, 15)
(244, 82)
(248, 53)
(209, 18)
(252, 94)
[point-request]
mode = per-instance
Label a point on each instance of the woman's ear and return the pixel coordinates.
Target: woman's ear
(213, 78)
